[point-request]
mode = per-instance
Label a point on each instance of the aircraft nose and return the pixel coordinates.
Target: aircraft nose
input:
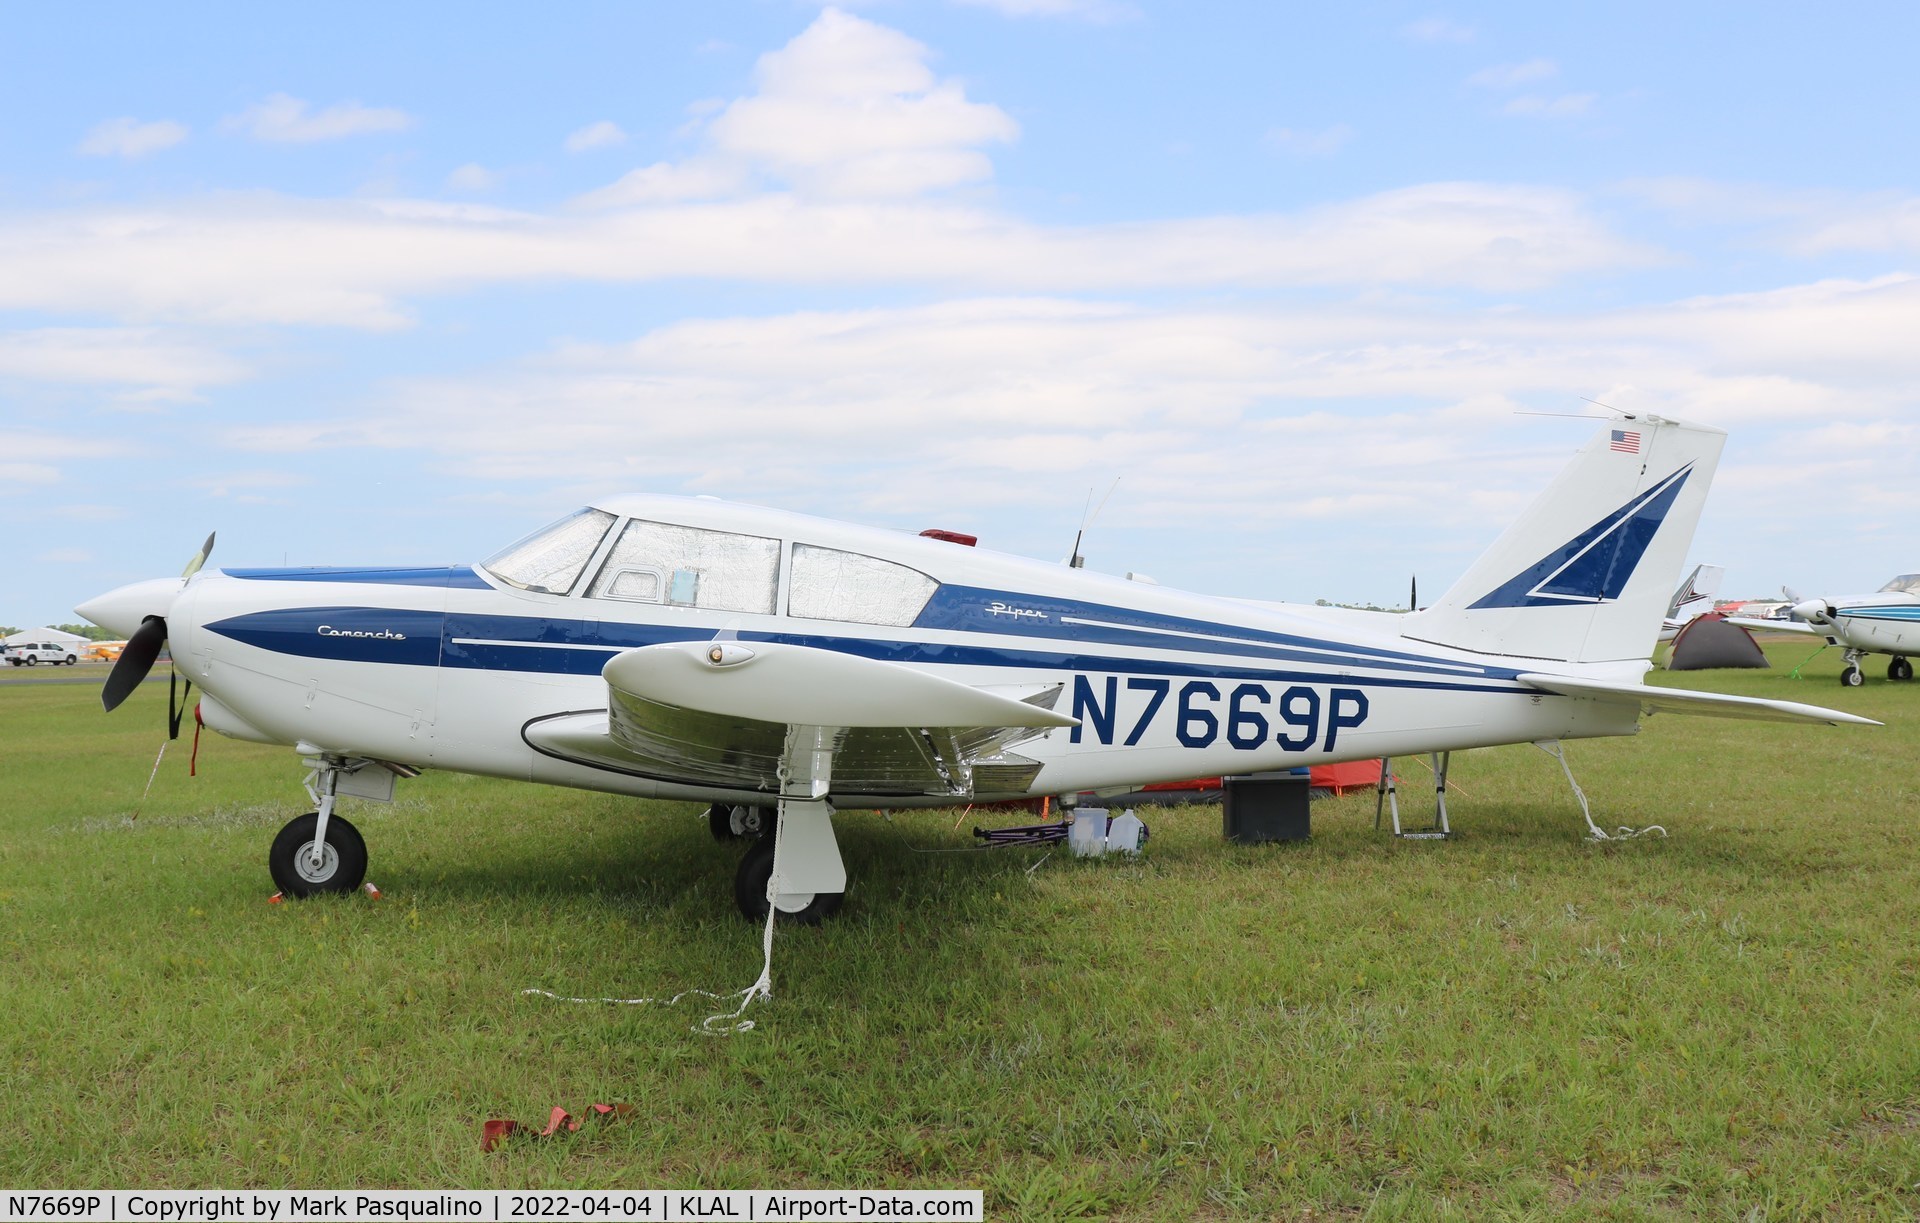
(1811, 611)
(124, 609)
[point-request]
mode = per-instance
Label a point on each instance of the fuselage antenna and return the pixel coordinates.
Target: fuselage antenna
(1077, 561)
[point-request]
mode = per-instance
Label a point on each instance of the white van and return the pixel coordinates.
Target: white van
(47, 652)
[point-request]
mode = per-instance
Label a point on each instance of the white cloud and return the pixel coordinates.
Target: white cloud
(282, 119)
(1437, 29)
(65, 556)
(850, 109)
(137, 357)
(670, 183)
(1510, 76)
(130, 138)
(1564, 106)
(605, 134)
(271, 259)
(1310, 143)
(473, 177)
(15, 476)
(943, 408)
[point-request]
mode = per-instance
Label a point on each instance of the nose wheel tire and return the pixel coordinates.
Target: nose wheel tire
(1900, 669)
(750, 891)
(343, 859)
(1852, 678)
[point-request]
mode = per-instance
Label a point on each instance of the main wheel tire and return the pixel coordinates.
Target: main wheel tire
(343, 862)
(750, 891)
(1852, 678)
(1900, 669)
(720, 822)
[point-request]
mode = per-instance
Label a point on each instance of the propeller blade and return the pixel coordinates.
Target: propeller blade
(193, 566)
(135, 661)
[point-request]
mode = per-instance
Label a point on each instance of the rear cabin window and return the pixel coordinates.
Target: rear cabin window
(658, 562)
(549, 561)
(832, 585)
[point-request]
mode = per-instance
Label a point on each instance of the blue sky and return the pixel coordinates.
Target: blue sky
(378, 284)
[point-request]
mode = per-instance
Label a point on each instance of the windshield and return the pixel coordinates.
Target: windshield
(549, 561)
(1907, 582)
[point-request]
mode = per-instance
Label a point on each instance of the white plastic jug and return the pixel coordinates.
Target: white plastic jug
(1087, 836)
(1123, 834)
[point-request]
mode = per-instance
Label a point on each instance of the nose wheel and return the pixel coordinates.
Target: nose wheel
(729, 822)
(339, 866)
(1851, 677)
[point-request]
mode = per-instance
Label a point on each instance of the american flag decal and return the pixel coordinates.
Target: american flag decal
(1626, 441)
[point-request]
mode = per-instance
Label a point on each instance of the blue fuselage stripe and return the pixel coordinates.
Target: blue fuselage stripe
(472, 641)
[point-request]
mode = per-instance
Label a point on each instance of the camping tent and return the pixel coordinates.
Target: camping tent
(1708, 641)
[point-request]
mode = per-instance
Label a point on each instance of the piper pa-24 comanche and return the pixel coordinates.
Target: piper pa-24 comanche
(1879, 623)
(779, 666)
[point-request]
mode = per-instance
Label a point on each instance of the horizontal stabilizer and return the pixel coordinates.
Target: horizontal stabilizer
(1681, 700)
(1775, 626)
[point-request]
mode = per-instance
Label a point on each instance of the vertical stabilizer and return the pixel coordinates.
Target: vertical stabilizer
(1585, 574)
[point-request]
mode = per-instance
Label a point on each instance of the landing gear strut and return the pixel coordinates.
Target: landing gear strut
(793, 872)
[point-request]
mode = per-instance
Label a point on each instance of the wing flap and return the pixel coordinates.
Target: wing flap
(1683, 700)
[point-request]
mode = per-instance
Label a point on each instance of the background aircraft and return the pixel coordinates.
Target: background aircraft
(1694, 596)
(1885, 622)
(776, 665)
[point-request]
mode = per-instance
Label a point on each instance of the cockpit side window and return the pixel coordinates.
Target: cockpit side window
(832, 585)
(549, 561)
(1908, 583)
(659, 562)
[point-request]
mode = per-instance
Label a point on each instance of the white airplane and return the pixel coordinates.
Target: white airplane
(1700, 587)
(1879, 623)
(777, 666)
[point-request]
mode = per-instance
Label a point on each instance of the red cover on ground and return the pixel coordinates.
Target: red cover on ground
(1354, 775)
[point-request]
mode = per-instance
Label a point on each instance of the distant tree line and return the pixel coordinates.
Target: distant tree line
(92, 632)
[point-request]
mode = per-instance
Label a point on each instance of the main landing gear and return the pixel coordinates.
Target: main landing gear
(1899, 669)
(760, 824)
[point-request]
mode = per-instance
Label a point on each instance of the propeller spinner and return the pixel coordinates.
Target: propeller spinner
(140, 611)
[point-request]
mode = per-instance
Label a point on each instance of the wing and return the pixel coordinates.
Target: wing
(1682, 700)
(722, 714)
(1776, 626)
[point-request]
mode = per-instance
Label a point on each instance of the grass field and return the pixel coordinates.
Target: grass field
(1515, 1024)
